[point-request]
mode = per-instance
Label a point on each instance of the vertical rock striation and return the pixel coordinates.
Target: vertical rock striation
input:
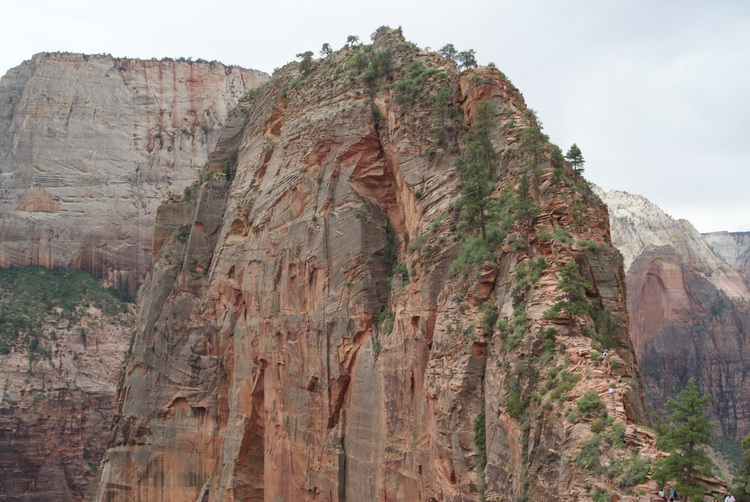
(689, 309)
(90, 145)
(306, 341)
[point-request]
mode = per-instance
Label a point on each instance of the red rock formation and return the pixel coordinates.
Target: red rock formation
(89, 147)
(264, 365)
(689, 311)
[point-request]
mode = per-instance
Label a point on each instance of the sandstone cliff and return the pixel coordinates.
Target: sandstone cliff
(300, 336)
(689, 309)
(90, 145)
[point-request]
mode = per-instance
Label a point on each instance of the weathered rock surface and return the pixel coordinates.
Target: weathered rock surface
(734, 247)
(275, 358)
(56, 414)
(689, 309)
(89, 147)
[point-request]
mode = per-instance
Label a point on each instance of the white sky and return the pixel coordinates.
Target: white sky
(656, 93)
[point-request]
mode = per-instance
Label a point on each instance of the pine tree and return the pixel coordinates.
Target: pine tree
(525, 207)
(575, 158)
(306, 64)
(572, 297)
(689, 433)
(533, 141)
(477, 170)
(467, 58)
(449, 51)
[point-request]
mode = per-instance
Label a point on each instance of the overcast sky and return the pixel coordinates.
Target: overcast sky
(656, 93)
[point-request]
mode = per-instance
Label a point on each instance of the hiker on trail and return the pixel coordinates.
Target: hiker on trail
(619, 379)
(672, 494)
(611, 392)
(729, 498)
(604, 355)
(661, 494)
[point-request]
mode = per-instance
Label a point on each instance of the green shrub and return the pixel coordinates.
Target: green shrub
(29, 293)
(590, 405)
(474, 251)
(601, 496)
(183, 233)
(615, 436)
(635, 473)
(567, 381)
(489, 319)
(480, 440)
(385, 320)
(588, 457)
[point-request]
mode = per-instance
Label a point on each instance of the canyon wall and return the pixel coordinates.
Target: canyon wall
(689, 309)
(302, 334)
(89, 147)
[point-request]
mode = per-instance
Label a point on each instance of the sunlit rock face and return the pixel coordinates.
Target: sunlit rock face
(89, 147)
(300, 337)
(689, 308)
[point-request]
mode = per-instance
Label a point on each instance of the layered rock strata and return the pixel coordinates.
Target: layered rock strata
(89, 147)
(689, 309)
(300, 336)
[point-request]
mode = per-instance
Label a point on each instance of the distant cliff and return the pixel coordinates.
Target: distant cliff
(90, 145)
(318, 326)
(734, 247)
(689, 308)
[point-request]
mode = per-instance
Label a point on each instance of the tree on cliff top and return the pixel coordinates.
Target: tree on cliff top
(575, 158)
(690, 432)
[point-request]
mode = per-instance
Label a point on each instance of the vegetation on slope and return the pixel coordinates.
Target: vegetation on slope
(28, 294)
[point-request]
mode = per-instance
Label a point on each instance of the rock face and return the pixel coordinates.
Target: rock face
(734, 247)
(90, 145)
(56, 413)
(300, 337)
(689, 309)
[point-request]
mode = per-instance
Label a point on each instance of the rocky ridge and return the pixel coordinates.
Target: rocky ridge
(90, 146)
(689, 308)
(300, 336)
